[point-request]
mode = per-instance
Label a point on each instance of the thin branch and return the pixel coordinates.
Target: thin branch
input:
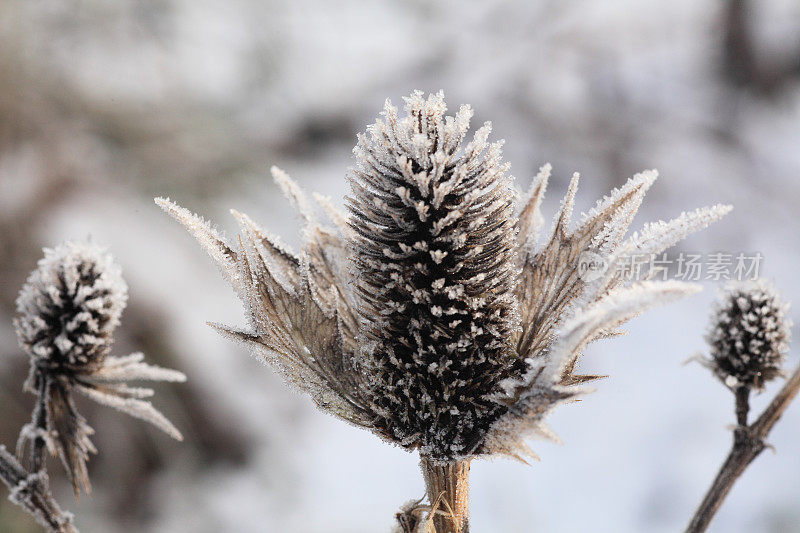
(39, 423)
(32, 493)
(748, 443)
(742, 405)
(30, 489)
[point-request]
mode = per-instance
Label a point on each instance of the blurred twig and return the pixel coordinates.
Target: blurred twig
(32, 492)
(748, 443)
(743, 65)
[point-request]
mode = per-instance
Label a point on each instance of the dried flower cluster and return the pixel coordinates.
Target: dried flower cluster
(430, 314)
(749, 335)
(68, 310)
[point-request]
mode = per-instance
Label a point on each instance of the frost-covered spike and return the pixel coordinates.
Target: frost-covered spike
(530, 218)
(564, 216)
(289, 259)
(121, 360)
(525, 418)
(658, 236)
(70, 433)
(209, 238)
(125, 391)
(305, 372)
(130, 369)
(639, 183)
(614, 213)
(283, 361)
(456, 133)
(134, 407)
(294, 193)
(611, 311)
(572, 379)
(282, 264)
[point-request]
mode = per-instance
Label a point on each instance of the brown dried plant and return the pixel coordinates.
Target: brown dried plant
(68, 310)
(430, 313)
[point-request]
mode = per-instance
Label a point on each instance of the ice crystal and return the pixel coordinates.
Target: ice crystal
(749, 335)
(68, 310)
(430, 313)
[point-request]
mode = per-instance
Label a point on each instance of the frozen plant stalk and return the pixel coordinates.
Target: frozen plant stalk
(748, 338)
(68, 311)
(428, 314)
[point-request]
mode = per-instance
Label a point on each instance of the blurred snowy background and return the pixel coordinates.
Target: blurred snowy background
(104, 105)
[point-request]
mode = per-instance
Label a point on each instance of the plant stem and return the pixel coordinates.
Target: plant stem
(447, 486)
(748, 443)
(742, 406)
(32, 492)
(30, 489)
(39, 422)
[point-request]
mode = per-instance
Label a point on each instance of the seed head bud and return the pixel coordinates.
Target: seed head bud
(68, 310)
(749, 335)
(70, 306)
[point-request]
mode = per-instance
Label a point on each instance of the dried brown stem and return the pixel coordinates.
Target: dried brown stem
(447, 486)
(32, 493)
(30, 489)
(39, 423)
(742, 405)
(748, 443)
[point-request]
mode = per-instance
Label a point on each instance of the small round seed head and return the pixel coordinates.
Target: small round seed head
(69, 307)
(749, 335)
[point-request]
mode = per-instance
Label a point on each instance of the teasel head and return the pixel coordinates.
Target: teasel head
(430, 312)
(67, 313)
(749, 335)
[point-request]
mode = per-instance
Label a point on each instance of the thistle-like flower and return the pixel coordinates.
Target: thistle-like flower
(428, 313)
(68, 310)
(749, 335)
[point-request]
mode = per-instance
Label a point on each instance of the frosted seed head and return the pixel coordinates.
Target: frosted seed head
(70, 305)
(749, 335)
(442, 243)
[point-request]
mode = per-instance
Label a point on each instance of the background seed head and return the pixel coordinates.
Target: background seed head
(70, 305)
(749, 335)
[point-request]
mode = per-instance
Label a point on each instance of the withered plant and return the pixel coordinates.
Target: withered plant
(749, 338)
(430, 312)
(67, 313)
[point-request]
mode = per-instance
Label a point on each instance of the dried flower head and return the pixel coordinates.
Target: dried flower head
(428, 313)
(749, 335)
(68, 310)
